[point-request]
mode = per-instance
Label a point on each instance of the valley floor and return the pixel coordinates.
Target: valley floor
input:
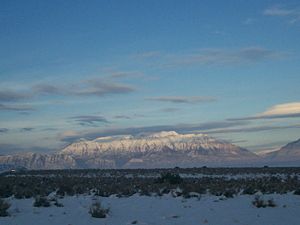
(163, 210)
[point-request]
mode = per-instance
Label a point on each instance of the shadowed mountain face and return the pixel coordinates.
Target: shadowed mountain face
(164, 149)
(288, 153)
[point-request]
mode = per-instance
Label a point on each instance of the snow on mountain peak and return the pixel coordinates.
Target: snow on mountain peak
(163, 134)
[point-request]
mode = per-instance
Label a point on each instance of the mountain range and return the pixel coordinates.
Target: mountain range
(156, 150)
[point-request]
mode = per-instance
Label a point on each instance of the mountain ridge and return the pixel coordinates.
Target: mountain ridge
(154, 150)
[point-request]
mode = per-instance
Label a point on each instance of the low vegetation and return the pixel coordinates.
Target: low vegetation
(4, 206)
(259, 202)
(41, 201)
(98, 211)
(227, 182)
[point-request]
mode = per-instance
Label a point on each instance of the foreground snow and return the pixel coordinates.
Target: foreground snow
(159, 210)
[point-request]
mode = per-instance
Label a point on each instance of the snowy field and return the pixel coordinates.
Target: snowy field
(158, 211)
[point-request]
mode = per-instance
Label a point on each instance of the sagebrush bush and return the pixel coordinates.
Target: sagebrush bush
(97, 211)
(258, 202)
(4, 206)
(58, 204)
(297, 192)
(41, 202)
(170, 178)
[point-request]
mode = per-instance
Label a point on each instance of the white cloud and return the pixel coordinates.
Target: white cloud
(286, 110)
(282, 109)
(293, 14)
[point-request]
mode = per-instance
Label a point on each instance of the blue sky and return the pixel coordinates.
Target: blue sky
(82, 69)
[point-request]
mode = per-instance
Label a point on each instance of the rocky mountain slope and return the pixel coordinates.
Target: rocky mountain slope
(288, 153)
(163, 149)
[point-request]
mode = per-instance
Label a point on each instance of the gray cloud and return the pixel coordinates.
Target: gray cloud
(98, 87)
(252, 129)
(168, 110)
(122, 117)
(3, 130)
(279, 116)
(46, 89)
(224, 56)
(89, 120)
(15, 107)
(93, 87)
(181, 128)
(26, 129)
(121, 74)
(183, 99)
(12, 96)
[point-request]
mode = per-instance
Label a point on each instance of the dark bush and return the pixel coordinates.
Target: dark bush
(297, 192)
(58, 204)
(261, 203)
(170, 178)
(271, 203)
(249, 191)
(4, 206)
(258, 202)
(97, 211)
(229, 193)
(41, 202)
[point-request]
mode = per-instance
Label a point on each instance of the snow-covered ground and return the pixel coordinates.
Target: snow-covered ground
(159, 211)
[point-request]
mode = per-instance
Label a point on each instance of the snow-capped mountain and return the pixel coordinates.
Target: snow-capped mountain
(163, 149)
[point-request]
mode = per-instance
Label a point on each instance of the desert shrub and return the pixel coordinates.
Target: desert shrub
(170, 178)
(249, 191)
(229, 193)
(297, 192)
(4, 206)
(97, 211)
(58, 204)
(65, 190)
(258, 202)
(271, 203)
(41, 202)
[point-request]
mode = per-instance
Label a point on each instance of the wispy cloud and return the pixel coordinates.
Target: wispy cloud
(8, 95)
(41, 88)
(87, 120)
(100, 87)
(287, 110)
(249, 21)
(122, 74)
(183, 99)
(26, 129)
(215, 56)
(3, 130)
(293, 14)
(122, 117)
(148, 55)
(170, 109)
(16, 107)
(90, 87)
(252, 129)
